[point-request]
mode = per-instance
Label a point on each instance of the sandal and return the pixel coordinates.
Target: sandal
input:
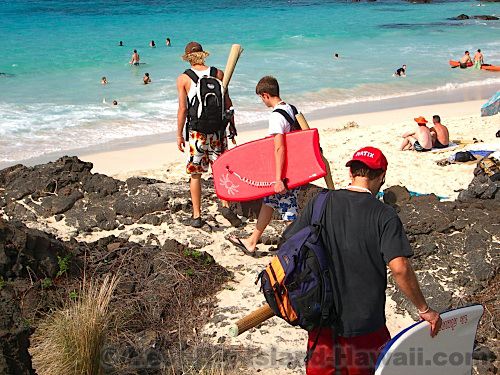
(240, 245)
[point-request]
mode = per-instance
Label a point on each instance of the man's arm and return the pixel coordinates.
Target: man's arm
(181, 112)
(279, 157)
(406, 280)
(408, 133)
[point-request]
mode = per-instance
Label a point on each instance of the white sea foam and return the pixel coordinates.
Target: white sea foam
(31, 130)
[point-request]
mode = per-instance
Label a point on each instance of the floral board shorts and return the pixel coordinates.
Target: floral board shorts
(285, 204)
(204, 149)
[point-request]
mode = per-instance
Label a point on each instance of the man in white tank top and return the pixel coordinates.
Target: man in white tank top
(204, 149)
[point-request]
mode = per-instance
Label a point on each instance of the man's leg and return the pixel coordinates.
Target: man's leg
(322, 359)
(195, 187)
(408, 143)
(229, 215)
(197, 164)
(405, 144)
(358, 354)
(217, 143)
(265, 216)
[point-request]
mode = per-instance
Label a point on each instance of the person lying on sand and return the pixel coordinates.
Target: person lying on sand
(439, 133)
(419, 140)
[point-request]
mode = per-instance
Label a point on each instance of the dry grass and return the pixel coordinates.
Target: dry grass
(70, 341)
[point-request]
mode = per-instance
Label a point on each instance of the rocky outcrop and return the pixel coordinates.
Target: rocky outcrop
(67, 189)
(486, 18)
(456, 253)
(162, 288)
(25, 251)
(88, 201)
(462, 17)
(486, 183)
(14, 339)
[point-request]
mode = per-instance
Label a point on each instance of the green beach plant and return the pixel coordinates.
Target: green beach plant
(46, 283)
(63, 264)
(70, 340)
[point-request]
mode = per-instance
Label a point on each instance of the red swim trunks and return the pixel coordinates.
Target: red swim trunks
(357, 355)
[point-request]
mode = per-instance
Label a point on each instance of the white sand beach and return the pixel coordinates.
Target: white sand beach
(340, 137)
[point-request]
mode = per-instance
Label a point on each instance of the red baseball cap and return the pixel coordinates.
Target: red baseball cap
(372, 157)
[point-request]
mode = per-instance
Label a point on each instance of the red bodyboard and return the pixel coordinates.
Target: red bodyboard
(454, 63)
(247, 172)
(495, 68)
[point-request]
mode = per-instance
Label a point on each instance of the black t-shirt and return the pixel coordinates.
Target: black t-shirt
(362, 235)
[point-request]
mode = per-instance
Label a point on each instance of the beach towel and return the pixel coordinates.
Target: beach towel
(451, 146)
(481, 153)
(484, 146)
(380, 194)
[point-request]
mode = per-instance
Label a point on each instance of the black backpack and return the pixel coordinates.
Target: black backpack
(206, 110)
(294, 124)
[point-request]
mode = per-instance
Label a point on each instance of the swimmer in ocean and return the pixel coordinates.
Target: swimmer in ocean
(135, 58)
(120, 44)
(167, 42)
(104, 81)
(152, 44)
(146, 78)
(401, 72)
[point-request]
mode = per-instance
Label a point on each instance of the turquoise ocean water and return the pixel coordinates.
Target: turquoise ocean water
(55, 52)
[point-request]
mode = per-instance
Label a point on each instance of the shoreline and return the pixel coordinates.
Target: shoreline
(160, 157)
(450, 96)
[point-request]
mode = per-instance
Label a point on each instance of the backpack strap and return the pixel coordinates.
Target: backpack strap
(191, 74)
(294, 109)
(319, 206)
(285, 114)
(213, 72)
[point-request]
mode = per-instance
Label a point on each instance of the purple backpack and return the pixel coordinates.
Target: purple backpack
(298, 283)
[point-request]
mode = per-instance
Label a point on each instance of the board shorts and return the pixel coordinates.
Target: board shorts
(438, 144)
(286, 204)
(418, 147)
(358, 354)
(204, 149)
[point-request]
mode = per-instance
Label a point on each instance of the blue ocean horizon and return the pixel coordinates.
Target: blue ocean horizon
(54, 54)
